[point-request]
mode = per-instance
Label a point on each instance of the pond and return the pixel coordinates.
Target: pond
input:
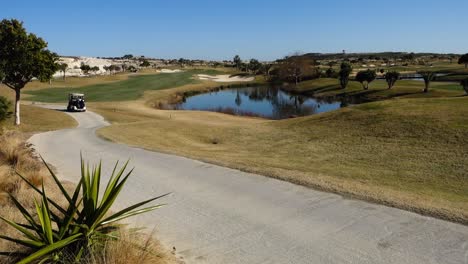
(266, 102)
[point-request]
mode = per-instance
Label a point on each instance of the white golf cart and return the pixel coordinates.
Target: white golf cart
(76, 103)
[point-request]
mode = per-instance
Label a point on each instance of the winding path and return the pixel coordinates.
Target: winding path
(220, 215)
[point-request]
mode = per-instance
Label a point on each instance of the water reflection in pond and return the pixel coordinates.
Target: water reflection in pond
(268, 102)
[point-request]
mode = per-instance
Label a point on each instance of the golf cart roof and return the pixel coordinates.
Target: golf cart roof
(76, 94)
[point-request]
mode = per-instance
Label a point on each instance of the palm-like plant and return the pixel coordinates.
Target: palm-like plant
(77, 227)
(428, 77)
(391, 78)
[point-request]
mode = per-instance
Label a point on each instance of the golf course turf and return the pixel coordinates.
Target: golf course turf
(130, 89)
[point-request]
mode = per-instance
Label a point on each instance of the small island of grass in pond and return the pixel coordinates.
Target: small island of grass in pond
(267, 102)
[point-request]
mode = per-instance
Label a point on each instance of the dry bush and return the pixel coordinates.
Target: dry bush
(16, 155)
(132, 248)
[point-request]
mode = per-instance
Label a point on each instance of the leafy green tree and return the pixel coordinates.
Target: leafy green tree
(145, 63)
(85, 68)
(254, 66)
(5, 106)
(127, 56)
(464, 83)
(23, 56)
(330, 72)
(95, 69)
(237, 61)
(365, 78)
(63, 68)
(391, 78)
(464, 60)
(132, 68)
(345, 71)
(409, 57)
(428, 77)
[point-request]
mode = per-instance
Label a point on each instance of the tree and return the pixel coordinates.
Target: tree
(295, 67)
(391, 78)
(345, 71)
(409, 57)
(254, 66)
(85, 68)
(145, 63)
(428, 77)
(365, 78)
(132, 68)
(127, 56)
(266, 67)
(464, 60)
(95, 69)
(330, 72)
(464, 83)
(112, 68)
(237, 61)
(63, 68)
(106, 68)
(23, 56)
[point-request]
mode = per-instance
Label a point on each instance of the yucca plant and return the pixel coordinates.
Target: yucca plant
(75, 228)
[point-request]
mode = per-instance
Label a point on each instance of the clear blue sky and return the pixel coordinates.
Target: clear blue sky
(209, 29)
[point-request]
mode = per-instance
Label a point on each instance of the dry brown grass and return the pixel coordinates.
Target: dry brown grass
(407, 153)
(17, 156)
(38, 119)
(132, 248)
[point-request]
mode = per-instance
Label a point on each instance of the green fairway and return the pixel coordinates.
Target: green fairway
(130, 89)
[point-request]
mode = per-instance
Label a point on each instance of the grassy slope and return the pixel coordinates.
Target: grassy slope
(37, 119)
(410, 153)
(407, 152)
(129, 89)
(378, 89)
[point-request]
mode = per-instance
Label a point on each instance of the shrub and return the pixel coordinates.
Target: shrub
(365, 78)
(78, 228)
(5, 106)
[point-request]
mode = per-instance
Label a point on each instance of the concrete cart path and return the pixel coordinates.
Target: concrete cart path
(221, 215)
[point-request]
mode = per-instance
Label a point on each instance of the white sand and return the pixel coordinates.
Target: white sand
(225, 78)
(169, 71)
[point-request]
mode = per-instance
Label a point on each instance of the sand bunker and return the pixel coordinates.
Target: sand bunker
(225, 78)
(169, 71)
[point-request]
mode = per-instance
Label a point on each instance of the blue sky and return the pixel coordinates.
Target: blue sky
(260, 29)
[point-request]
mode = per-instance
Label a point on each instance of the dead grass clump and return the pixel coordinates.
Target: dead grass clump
(13, 148)
(16, 155)
(131, 248)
